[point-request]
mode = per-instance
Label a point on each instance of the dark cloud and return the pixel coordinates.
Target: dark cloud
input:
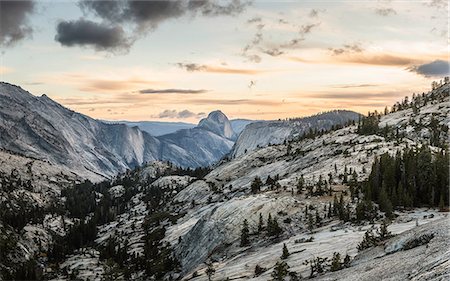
(168, 113)
(385, 12)
(435, 68)
(138, 17)
(14, 17)
(347, 48)
(149, 14)
(101, 36)
(172, 91)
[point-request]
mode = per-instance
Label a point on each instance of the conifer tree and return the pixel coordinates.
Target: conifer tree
(245, 234)
(256, 185)
(260, 224)
(210, 270)
(285, 253)
(280, 271)
(336, 262)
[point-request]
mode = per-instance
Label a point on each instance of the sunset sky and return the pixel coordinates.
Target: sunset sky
(179, 60)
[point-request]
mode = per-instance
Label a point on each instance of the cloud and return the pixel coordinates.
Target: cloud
(179, 114)
(439, 4)
(314, 13)
(104, 85)
(254, 20)
(141, 17)
(234, 102)
(172, 91)
(378, 59)
(303, 31)
(193, 67)
(347, 48)
(14, 16)
(355, 95)
(354, 86)
(83, 32)
(385, 12)
(435, 68)
(274, 52)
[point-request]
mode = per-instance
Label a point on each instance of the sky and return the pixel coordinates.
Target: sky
(179, 60)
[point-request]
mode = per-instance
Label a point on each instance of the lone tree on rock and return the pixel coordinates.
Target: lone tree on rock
(245, 234)
(285, 253)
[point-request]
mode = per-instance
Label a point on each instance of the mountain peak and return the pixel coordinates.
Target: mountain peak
(218, 123)
(15, 92)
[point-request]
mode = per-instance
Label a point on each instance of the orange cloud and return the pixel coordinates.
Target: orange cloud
(194, 67)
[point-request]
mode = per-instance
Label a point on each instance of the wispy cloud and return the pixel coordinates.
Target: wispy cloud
(347, 86)
(172, 91)
(378, 59)
(385, 12)
(347, 48)
(194, 67)
(234, 102)
(354, 95)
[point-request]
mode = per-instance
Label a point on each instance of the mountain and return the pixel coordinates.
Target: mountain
(39, 127)
(312, 195)
(156, 128)
(238, 125)
(263, 133)
(218, 123)
(203, 145)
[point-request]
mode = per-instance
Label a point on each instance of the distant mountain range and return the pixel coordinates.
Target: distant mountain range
(158, 128)
(41, 128)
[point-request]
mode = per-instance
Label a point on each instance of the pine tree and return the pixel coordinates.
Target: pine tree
(318, 219)
(441, 204)
(336, 262)
(285, 253)
(280, 271)
(368, 241)
(347, 261)
(385, 203)
(245, 235)
(256, 185)
(273, 229)
(210, 270)
(260, 224)
(310, 222)
(384, 232)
